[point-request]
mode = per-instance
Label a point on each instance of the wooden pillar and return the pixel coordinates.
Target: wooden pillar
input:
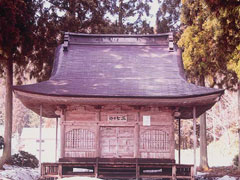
(137, 129)
(59, 171)
(97, 143)
(63, 119)
(174, 171)
(192, 173)
(40, 136)
(194, 138)
(98, 135)
(56, 146)
(179, 141)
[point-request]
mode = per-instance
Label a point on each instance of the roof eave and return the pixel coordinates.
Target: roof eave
(51, 103)
(19, 89)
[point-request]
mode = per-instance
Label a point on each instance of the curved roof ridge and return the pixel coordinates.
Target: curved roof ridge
(164, 39)
(118, 35)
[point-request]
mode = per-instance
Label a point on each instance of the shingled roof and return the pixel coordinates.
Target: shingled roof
(118, 66)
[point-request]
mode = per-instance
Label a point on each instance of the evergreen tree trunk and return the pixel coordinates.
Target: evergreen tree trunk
(239, 124)
(203, 137)
(120, 17)
(8, 114)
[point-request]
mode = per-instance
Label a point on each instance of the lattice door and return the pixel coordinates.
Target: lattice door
(117, 142)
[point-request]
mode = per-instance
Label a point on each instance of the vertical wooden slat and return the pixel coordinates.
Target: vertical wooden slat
(56, 145)
(77, 138)
(83, 139)
(148, 140)
(164, 140)
(194, 138)
(97, 140)
(117, 151)
(72, 138)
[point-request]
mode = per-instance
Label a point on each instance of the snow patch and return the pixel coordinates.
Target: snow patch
(19, 173)
(227, 178)
(201, 173)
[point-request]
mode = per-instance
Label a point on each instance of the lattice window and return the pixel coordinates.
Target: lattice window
(80, 139)
(154, 140)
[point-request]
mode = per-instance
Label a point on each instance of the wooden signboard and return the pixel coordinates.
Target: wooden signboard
(117, 117)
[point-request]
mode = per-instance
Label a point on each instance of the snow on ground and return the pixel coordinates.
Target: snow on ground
(201, 174)
(19, 173)
(227, 178)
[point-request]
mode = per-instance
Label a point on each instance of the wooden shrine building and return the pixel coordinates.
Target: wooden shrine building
(117, 97)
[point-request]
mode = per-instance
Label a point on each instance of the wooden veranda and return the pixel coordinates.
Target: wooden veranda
(120, 168)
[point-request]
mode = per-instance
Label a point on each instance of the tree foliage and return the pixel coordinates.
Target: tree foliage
(16, 34)
(168, 16)
(130, 16)
(210, 41)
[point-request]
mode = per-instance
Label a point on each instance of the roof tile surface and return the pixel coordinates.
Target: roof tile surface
(107, 68)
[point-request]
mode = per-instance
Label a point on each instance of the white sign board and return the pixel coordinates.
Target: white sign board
(146, 120)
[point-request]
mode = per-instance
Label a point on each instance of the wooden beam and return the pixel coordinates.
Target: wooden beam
(194, 139)
(179, 141)
(56, 146)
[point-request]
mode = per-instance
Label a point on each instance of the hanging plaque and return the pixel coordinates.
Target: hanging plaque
(146, 120)
(117, 117)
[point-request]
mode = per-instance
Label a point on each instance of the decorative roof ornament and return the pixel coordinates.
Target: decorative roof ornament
(66, 41)
(170, 42)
